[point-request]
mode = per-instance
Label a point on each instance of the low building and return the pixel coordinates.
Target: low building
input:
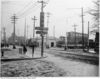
(18, 39)
(50, 41)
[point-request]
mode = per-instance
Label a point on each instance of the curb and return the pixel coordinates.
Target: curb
(17, 59)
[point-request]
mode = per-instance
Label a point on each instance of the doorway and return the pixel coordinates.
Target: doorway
(52, 44)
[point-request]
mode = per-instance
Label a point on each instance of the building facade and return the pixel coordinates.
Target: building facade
(50, 41)
(73, 38)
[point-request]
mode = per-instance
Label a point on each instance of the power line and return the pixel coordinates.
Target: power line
(24, 7)
(27, 10)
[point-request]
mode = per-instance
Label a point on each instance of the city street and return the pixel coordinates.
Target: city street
(71, 66)
(50, 38)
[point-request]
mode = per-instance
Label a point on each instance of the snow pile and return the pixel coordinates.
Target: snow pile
(25, 68)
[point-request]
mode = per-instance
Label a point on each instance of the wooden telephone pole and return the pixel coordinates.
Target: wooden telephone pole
(42, 26)
(14, 22)
(82, 29)
(34, 20)
(75, 34)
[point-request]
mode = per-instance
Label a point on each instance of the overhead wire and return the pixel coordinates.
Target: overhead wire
(27, 12)
(24, 7)
(32, 8)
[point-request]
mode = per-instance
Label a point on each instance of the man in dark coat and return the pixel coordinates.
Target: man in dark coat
(33, 47)
(24, 49)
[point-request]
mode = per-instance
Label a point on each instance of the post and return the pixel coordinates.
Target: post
(88, 36)
(14, 21)
(34, 20)
(25, 32)
(82, 30)
(75, 34)
(54, 31)
(42, 25)
(4, 36)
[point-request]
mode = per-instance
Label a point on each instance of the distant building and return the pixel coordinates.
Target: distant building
(51, 41)
(62, 38)
(18, 39)
(71, 38)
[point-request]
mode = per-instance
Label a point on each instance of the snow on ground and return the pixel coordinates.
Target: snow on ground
(30, 68)
(25, 68)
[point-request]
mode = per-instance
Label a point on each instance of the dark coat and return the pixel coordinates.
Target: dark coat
(24, 49)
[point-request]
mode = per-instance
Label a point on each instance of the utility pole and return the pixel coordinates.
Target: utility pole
(54, 31)
(25, 33)
(4, 34)
(98, 14)
(75, 33)
(42, 25)
(14, 21)
(47, 35)
(34, 20)
(88, 35)
(82, 29)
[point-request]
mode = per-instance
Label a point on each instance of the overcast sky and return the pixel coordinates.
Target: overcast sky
(61, 16)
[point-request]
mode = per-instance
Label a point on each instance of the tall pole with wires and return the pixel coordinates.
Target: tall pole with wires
(4, 34)
(54, 31)
(75, 35)
(25, 32)
(34, 20)
(88, 35)
(42, 26)
(14, 21)
(82, 29)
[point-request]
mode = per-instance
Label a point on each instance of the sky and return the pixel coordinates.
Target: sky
(63, 15)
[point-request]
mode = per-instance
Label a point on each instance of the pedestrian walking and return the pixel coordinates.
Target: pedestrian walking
(24, 49)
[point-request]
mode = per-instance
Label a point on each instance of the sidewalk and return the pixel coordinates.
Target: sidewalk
(14, 55)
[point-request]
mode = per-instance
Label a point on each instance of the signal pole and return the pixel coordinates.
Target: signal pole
(34, 20)
(75, 33)
(25, 32)
(14, 21)
(88, 35)
(82, 29)
(42, 25)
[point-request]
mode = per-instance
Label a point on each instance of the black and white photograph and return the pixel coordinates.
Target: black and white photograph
(49, 38)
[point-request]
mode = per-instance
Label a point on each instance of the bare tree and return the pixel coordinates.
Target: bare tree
(96, 16)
